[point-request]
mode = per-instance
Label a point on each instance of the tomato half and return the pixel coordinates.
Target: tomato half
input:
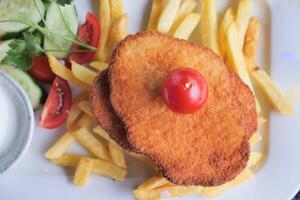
(41, 70)
(57, 106)
(89, 32)
(184, 90)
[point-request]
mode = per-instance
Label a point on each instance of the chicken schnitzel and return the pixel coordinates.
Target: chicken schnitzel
(208, 147)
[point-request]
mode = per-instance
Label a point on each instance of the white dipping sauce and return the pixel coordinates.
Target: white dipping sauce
(8, 119)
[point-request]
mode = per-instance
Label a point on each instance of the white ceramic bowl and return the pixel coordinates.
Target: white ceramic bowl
(22, 126)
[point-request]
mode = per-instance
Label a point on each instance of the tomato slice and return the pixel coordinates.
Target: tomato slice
(89, 32)
(41, 70)
(184, 90)
(57, 106)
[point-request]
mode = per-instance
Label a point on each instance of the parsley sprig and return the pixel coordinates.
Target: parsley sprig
(22, 52)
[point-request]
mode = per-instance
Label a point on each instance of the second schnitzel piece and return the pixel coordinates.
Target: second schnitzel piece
(104, 113)
(208, 147)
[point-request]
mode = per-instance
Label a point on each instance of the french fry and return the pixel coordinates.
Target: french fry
(157, 7)
(83, 96)
(117, 155)
(255, 139)
(252, 38)
(154, 182)
(60, 146)
(99, 66)
(105, 21)
(242, 19)
(254, 158)
(186, 7)
(101, 132)
(75, 111)
(227, 20)
(187, 26)
(178, 191)
(82, 73)
(63, 72)
(109, 169)
(143, 159)
(67, 160)
(85, 107)
(167, 192)
(100, 167)
(251, 43)
(245, 175)
(84, 121)
(168, 16)
(83, 171)
(74, 115)
(250, 63)
(91, 143)
(117, 8)
(209, 25)
(236, 58)
(119, 30)
(261, 120)
(276, 98)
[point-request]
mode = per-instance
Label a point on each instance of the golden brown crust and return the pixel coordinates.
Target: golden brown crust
(104, 113)
(247, 104)
(208, 147)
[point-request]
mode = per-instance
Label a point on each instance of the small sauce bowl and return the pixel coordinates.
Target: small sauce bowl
(16, 122)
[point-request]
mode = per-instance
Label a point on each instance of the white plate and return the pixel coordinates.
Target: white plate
(279, 179)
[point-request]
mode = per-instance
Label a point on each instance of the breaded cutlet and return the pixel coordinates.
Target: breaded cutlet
(103, 112)
(246, 104)
(208, 147)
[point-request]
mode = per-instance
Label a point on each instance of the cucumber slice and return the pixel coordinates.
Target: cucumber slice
(62, 20)
(35, 92)
(4, 48)
(19, 10)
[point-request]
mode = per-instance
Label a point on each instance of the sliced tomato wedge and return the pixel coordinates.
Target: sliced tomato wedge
(89, 32)
(41, 70)
(57, 106)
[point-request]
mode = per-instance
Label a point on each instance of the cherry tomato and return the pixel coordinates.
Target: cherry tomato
(89, 32)
(184, 90)
(41, 70)
(58, 104)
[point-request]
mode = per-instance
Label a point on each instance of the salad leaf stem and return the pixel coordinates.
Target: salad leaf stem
(65, 50)
(49, 33)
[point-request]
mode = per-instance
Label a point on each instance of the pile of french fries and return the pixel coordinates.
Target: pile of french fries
(114, 25)
(107, 158)
(176, 18)
(235, 38)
